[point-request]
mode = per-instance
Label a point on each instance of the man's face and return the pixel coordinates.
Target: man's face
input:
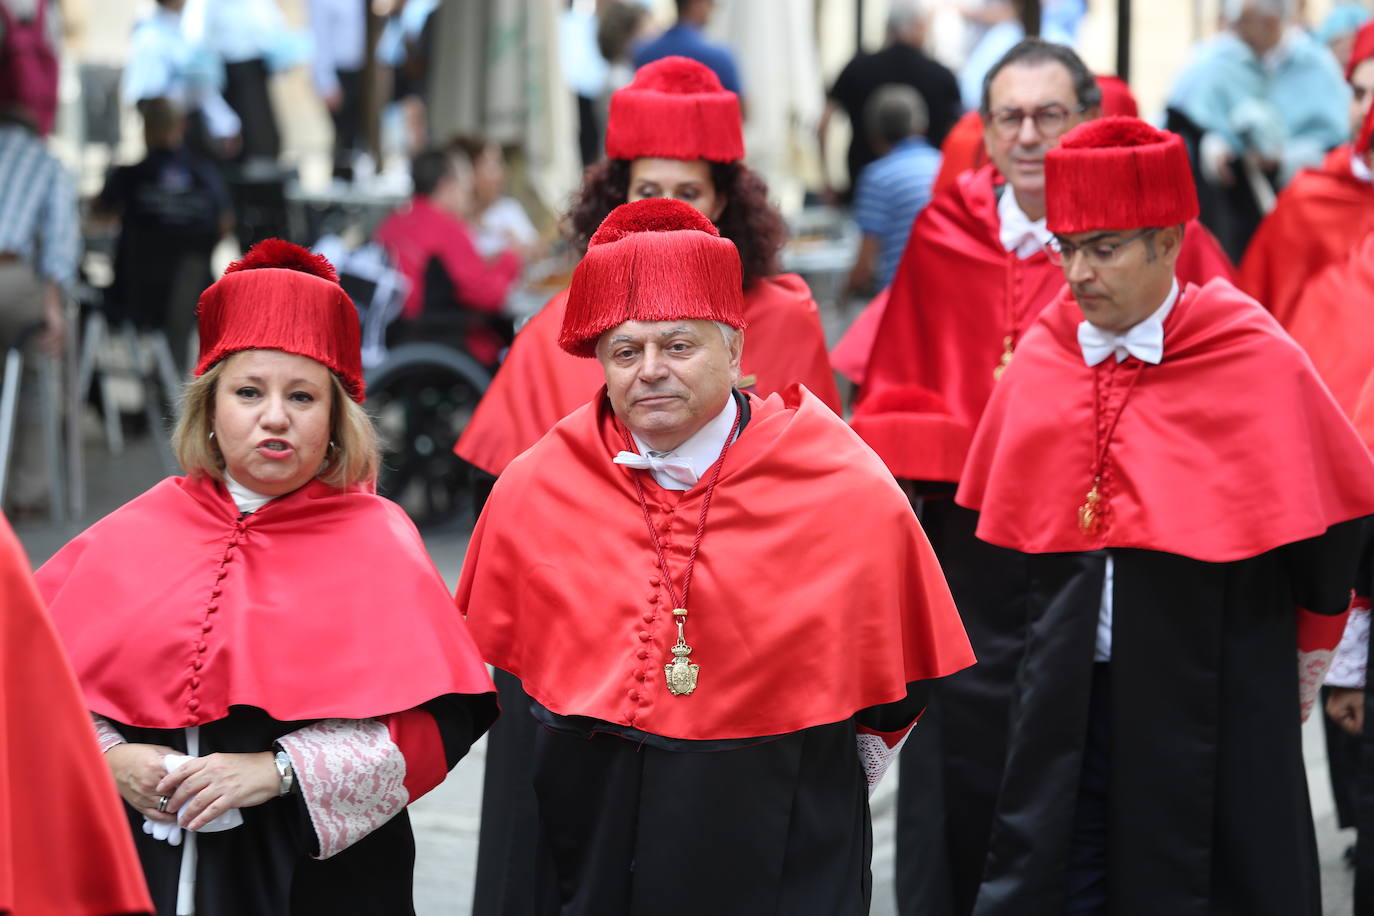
(1361, 92)
(1018, 149)
(1120, 278)
(1259, 29)
(668, 379)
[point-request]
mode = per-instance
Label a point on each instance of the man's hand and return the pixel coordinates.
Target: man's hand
(137, 770)
(1346, 706)
(54, 335)
(205, 787)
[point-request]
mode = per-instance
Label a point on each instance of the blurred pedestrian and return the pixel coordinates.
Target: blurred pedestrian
(454, 291)
(163, 63)
(894, 187)
(1324, 211)
(172, 209)
(498, 220)
(256, 783)
(686, 38)
(671, 772)
(406, 45)
(1155, 757)
(903, 61)
(64, 846)
(932, 369)
(1260, 101)
(673, 133)
(339, 28)
(30, 36)
(40, 248)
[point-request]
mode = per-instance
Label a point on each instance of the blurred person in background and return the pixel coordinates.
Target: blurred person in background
(164, 64)
(455, 292)
(172, 209)
(405, 45)
(686, 38)
(893, 188)
(1338, 28)
(903, 61)
(257, 782)
(674, 132)
(1257, 103)
(40, 248)
(933, 367)
(622, 27)
(1325, 210)
(30, 37)
(498, 220)
(584, 71)
(339, 28)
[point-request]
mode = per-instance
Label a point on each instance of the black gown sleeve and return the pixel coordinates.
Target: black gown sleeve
(1324, 569)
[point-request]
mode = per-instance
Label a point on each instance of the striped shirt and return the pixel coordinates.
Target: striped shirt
(890, 192)
(38, 215)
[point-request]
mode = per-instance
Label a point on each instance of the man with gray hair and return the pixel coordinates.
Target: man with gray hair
(1260, 101)
(894, 188)
(903, 61)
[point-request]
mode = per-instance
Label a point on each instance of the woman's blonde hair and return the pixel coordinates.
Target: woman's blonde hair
(353, 457)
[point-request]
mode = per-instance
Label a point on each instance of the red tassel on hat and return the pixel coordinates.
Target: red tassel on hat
(1117, 98)
(675, 108)
(1362, 49)
(281, 296)
(1115, 174)
(652, 260)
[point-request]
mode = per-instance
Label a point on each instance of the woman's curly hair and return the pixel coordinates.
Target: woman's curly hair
(748, 220)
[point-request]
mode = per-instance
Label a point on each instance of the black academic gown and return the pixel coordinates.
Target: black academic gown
(951, 771)
(264, 867)
(1207, 794)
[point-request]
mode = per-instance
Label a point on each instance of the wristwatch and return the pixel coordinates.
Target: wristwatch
(286, 774)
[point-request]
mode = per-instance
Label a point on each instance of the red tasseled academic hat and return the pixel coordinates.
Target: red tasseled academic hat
(1118, 173)
(282, 297)
(652, 260)
(1117, 98)
(1362, 50)
(676, 108)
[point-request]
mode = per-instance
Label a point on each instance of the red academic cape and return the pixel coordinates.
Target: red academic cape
(794, 622)
(956, 295)
(65, 848)
(1319, 217)
(539, 383)
(1333, 321)
(322, 604)
(1229, 448)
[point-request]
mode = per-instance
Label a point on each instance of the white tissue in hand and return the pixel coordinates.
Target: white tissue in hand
(226, 821)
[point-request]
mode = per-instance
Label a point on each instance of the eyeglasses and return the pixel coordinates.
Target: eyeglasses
(1097, 254)
(1050, 120)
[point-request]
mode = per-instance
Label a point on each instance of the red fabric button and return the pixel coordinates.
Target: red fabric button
(216, 592)
(207, 626)
(654, 581)
(211, 607)
(195, 681)
(198, 664)
(634, 695)
(648, 618)
(644, 637)
(228, 556)
(221, 574)
(643, 653)
(200, 646)
(193, 703)
(653, 598)
(639, 675)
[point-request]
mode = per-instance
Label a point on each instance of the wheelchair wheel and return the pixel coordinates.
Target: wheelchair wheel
(422, 397)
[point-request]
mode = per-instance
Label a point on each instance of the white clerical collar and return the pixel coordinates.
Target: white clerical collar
(247, 501)
(699, 452)
(1145, 341)
(1019, 234)
(1360, 168)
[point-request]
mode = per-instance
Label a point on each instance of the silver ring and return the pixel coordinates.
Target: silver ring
(162, 801)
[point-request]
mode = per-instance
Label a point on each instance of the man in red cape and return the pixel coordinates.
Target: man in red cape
(675, 109)
(1321, 213)
(1188, 503)
(64, 844)
(712, 720)
(973, 278)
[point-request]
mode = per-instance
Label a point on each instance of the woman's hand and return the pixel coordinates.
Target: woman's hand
(205, 787)
(1346, 706)
(137, 770)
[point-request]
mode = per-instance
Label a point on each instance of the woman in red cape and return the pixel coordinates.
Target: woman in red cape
(271, 658)
(64, 843)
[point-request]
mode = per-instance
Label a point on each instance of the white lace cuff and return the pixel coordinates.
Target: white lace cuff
(1352, 653)
(352, 777)
(105, 733)
(876, 753)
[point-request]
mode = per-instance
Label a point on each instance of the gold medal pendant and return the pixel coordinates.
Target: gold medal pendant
(680, 672)
(1090, 513)
(1007, 353)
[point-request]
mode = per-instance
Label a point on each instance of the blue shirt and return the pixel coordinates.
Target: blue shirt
(38, 200)
(890, 192)
(687, 41)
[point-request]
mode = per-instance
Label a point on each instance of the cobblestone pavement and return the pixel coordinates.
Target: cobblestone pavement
(446, 820)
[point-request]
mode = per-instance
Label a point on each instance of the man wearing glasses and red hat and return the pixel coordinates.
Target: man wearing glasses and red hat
(721, 672)
(1188, 501)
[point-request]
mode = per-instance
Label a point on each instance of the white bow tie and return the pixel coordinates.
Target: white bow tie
(680, 469)
(1145, 342)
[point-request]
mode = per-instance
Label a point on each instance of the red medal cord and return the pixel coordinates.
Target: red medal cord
(701, 520)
